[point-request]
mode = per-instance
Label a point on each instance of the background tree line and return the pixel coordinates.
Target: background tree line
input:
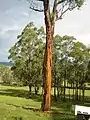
(71, 64)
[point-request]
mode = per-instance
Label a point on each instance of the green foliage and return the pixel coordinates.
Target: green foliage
(70, 60)
(62, 48)
(6, 76)
(27, 55)
(70, 63)
(79, 2)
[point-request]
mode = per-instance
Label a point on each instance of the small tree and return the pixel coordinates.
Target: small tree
(6, 76)
(27, 55)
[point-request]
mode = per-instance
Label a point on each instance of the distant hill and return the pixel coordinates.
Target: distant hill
(6, 63)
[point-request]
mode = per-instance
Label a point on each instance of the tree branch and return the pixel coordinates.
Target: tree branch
(41, 0)
(34, 5)
(63, 12)
(54, 11)
(35, 9)
(47, 12)
(60, 17)
(61, 1)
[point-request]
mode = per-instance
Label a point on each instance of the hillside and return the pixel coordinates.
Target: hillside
(6, 63)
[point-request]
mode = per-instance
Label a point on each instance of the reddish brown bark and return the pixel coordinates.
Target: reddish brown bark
(47, 65)
(47, 68)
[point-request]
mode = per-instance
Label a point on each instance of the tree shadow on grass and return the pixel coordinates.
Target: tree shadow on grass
(55, 115)
(20, 93)
(64, 108)
(16, 118)
(60, 110)
(57, 107)
(63, 117)
(14, 92)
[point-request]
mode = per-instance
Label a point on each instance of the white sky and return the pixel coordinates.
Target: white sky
(15, 14)
(76, 23)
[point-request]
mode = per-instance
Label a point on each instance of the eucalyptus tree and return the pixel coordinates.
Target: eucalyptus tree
(80, 57)
(61, 49)
(70, 60)
(53, 11)
(27, 54)
(56, 82)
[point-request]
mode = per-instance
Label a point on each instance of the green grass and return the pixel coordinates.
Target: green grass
(14, 105)
(12, 108)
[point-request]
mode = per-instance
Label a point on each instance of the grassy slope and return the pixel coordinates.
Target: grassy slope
(11, 109)
(14, 106)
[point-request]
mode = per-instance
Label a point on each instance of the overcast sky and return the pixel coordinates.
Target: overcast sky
(15, 14)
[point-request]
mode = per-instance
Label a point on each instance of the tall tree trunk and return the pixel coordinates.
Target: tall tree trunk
(65, 85)
(73, 90)
(47, 69)
(83, 91)
(30, 89)
(36, 90)
(58, 92)
(55, 79)
(76, 91)
(80, 93)
(47, 65)
(83, 86)
(55, 89)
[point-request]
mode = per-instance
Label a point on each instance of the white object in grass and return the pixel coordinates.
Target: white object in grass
(82, 110)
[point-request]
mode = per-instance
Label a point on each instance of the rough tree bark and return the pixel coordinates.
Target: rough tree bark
(47, 66)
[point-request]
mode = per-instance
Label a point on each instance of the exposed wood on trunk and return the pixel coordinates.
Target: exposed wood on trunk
(47, 66)
(47, 71)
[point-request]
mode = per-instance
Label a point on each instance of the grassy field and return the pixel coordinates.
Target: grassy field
(14, 105)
